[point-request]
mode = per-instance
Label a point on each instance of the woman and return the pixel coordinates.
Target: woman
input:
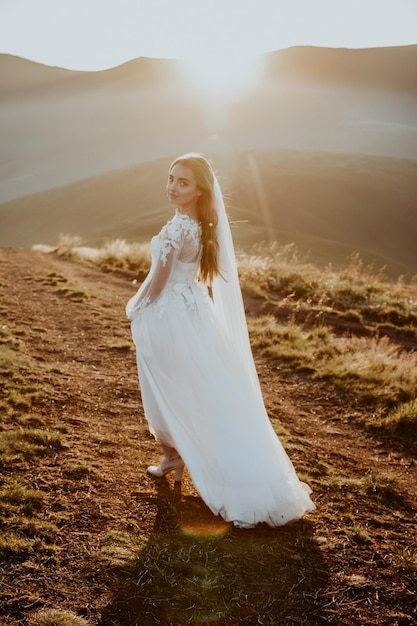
(199, 385)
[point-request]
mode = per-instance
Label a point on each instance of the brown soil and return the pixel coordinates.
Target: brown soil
(346, 561)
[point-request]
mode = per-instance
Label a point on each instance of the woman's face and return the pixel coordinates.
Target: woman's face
(181, 188)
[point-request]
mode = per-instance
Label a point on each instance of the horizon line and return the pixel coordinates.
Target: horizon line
(184, 59)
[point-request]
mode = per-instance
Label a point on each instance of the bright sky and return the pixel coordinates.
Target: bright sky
(96, 34)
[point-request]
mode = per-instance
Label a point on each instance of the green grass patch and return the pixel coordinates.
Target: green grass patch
(402, 419)
(14, 546)
(408, 560)
(19, 497)
(382, 487)
(76, 471)
(30, 421)
(27, 443)
(35, 529)
(18, 400)
(374, 368)
(23, 531)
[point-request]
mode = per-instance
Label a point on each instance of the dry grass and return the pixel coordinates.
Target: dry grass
(376, 369)
(379, 363)
(23, 531)
(12, 546)
(355, 290)
(315, 302)
(279, 270)
(408, 560)
(15, 493)
(114, 255)
(57, 617)
(403, 417)
(27, 443)
(372, 367)
(67, 244)
(23, 439)
(86, 535)
(76, 470)
(118, 254)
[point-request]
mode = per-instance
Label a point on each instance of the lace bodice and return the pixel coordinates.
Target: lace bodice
(181, 233)
(175, 255)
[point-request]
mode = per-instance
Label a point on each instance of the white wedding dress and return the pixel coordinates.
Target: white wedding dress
(198, 395)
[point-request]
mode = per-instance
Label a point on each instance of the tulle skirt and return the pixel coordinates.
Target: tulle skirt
(199, 398)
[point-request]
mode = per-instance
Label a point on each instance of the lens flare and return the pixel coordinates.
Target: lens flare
(225, 75)
(204, 529)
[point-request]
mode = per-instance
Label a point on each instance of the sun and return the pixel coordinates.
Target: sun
(223, 74)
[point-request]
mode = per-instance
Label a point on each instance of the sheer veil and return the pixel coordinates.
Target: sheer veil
(227, 295)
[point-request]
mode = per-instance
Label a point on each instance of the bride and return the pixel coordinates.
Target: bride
(199, 386)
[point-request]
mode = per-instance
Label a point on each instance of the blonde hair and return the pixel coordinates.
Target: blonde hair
(206, 212)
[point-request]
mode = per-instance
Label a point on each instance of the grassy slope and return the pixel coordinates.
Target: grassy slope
(87, 534)
(328, 204)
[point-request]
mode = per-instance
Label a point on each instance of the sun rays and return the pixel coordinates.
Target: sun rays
(223, 74)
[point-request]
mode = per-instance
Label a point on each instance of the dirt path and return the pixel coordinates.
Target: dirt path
(352, 558)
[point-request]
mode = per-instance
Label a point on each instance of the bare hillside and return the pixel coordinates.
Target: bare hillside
(329, 204)
(88, 538)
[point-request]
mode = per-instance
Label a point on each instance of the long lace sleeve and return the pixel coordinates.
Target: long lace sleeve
(171, 237)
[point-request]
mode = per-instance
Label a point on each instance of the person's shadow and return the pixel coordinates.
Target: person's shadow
(197, 569)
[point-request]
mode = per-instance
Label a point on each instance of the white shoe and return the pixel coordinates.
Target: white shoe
(167, 465)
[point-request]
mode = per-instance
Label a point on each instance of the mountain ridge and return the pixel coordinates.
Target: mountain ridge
(313, 106)
(389, 68)
(60, 126)
(377, 65)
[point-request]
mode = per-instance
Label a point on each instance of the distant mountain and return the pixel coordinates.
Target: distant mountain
(386, 68)
(20, 75)
(59, 126)
(392, 68)
(323, 153)
(329, 205)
